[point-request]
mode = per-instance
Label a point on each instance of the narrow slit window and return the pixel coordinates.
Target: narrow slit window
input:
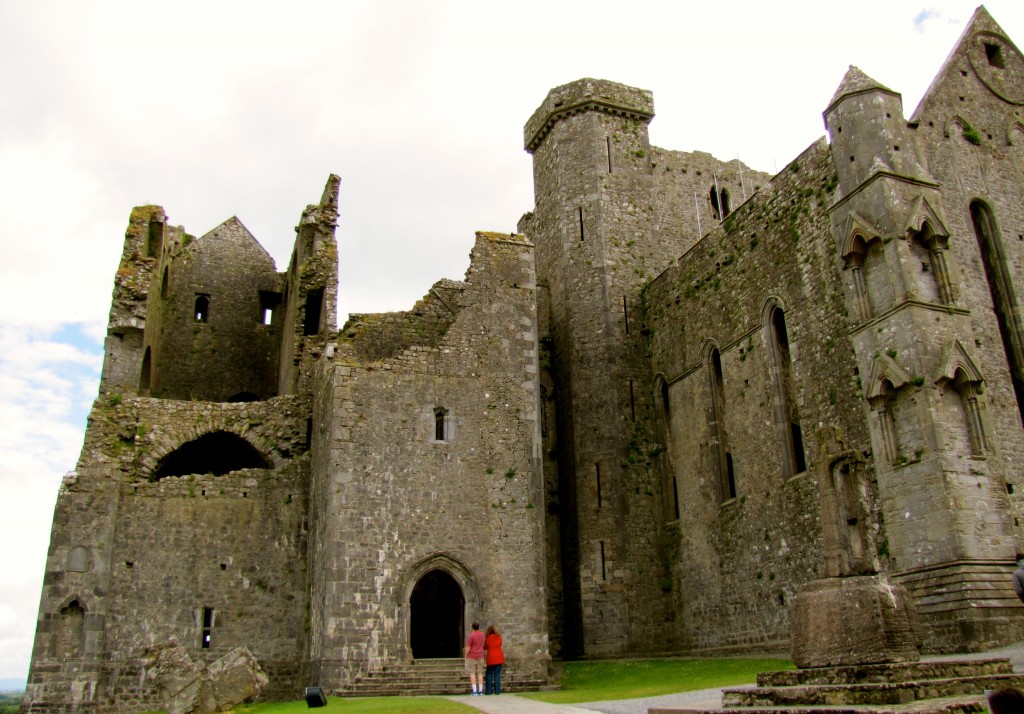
(580, 211)
(441, 424)
(207, 631)
(675, 497)
(632, 402)
(608, 143)
(604, 574)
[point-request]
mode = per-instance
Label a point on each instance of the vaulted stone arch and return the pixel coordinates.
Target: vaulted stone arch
(433, 581)
(215, 452)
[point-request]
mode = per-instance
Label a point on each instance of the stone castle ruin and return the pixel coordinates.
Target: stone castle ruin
(621, 434)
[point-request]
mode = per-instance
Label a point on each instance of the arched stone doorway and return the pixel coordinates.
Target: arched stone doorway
(437, 613)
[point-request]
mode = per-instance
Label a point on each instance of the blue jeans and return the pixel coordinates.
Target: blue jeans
(492, 679)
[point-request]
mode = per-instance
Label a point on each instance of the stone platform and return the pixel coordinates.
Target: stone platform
(947, 686)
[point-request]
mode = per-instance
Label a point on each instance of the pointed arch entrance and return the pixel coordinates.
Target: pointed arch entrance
(436, 617)
(440, 599)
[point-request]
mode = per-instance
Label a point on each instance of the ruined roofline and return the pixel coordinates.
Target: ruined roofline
(235, 221)
(583, 95)
(821, 144)
(514, 238)
(981, 22)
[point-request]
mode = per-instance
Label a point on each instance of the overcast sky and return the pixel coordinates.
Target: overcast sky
(213, 109)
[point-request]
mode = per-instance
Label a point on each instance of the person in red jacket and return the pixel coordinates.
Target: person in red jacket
(495, 659)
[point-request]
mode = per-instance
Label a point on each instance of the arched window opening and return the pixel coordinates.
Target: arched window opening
(794, 460)
(878, 278)
(882, 407)
(164, 281)
(932, 279)
(202, 309)
(216, 453)
(968, 406)
(70, 631)
(146, 373)
(1004, 299)
(243, 397)
(442, 430)
(724, 195)
(436, 613)
(855, 261)
(719, 438)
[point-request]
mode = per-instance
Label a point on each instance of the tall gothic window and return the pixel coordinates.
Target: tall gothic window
(719, 438)
(1004, 300)
(787, 415)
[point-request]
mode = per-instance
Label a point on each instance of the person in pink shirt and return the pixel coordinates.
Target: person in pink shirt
(475, 659)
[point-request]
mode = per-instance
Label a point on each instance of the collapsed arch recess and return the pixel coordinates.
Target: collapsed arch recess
(216, 453)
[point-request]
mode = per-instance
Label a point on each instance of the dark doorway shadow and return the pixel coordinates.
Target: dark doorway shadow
(436, 609)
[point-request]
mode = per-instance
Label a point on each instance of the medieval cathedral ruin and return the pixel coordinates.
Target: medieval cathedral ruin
(662, 430)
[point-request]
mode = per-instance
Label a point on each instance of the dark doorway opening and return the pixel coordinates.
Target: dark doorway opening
(436, 612)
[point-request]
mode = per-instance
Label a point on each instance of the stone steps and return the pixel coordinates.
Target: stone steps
(873, 694)
(975, 704)
(938, 687)
(878, 673)
(437, 677)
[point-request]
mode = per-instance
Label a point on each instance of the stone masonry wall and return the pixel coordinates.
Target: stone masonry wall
(398, 503)
(974, 143)
(143, 557)
(229, 351)
(741, 559)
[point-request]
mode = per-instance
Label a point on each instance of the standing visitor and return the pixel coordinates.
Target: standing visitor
(1018, 578)
(475, 659)
(495, 658)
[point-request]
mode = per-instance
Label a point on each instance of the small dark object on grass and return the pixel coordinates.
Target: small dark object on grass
(315, 697)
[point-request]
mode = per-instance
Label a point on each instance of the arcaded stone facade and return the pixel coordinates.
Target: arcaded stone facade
(684, 389)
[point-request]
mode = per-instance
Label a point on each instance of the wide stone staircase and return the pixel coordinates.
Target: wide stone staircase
(936, 687)
(431, 677)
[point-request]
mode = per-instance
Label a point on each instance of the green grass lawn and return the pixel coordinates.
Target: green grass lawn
(581, 682)
(632, 679)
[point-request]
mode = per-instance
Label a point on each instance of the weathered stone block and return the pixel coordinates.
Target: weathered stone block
(848, 621)
(188, 687)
